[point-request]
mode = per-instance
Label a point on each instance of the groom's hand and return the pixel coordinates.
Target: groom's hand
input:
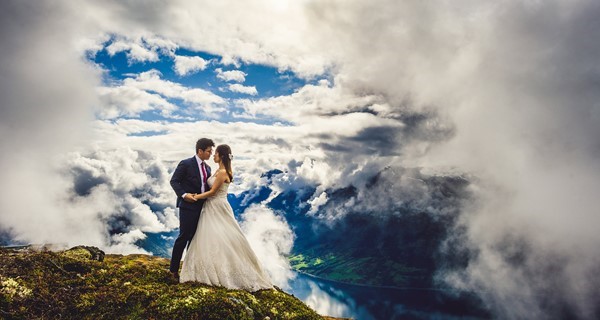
(189, 197)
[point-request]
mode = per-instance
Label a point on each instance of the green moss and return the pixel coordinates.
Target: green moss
(74, 284)
(13, 289)
(78, 254)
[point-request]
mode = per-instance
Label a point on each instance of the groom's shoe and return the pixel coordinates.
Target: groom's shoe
(175, 276)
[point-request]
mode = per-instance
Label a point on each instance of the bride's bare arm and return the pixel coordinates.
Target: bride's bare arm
(219, 180)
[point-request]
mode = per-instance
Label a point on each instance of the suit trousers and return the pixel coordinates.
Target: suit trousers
(188, 222)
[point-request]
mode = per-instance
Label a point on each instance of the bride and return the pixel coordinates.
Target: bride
(219, 253)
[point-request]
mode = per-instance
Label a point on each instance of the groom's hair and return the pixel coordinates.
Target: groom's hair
(204, 143)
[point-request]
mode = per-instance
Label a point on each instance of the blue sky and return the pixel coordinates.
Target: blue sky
(268, 80)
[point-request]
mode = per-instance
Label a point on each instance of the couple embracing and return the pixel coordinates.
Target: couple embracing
(218, 253)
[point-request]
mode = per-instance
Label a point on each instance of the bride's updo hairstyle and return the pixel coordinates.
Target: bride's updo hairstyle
(224, 152)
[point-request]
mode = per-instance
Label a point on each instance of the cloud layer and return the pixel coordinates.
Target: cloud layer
(507, 92)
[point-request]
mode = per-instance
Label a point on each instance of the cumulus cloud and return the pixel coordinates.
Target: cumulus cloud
(236, 87)
(124, 243)
(317, 202)
(105, 198)
(147, 91)
(261, 148)
(135, 51)
(119, 193)
(43, 81)
(200, 99)
(231, 75)
(272, 239)
(188, 65)
(130, 101)
(141, 48)
(526, 131)
(506, 92)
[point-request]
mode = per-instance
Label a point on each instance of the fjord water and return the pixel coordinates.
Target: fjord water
(366, 302)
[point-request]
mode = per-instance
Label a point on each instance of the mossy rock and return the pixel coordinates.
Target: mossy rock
(80, 259)
(84, 253)
(75, 284)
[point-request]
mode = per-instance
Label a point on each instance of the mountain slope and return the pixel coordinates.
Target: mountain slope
(83, 283)
(389, 233)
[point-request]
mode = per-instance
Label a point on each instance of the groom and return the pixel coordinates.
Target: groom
(189, 178)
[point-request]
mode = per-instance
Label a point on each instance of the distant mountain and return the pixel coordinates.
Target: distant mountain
(388, 234)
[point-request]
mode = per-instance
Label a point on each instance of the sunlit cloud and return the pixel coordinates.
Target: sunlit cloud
(188, 65)
(151, 92)
(504, 92)
(236, 87)
(142, 48)
(231, 75)
(272, 239)
(130, 101)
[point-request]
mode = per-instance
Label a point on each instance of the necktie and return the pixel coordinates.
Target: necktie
(203, 166)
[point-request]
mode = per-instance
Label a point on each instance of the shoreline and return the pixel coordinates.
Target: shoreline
(369, 285)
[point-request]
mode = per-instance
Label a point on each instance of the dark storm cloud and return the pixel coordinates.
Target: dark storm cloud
(388, 140)
(378, 140)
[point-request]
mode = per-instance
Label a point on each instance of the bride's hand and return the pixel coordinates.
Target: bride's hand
(197, 196)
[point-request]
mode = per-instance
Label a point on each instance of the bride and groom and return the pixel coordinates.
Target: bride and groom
(218, 253)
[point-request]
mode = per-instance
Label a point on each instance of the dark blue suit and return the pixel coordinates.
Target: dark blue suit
(186, 179)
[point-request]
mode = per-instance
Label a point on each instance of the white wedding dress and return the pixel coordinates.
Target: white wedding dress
(219, 253)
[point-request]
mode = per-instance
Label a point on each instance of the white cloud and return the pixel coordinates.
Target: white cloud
(124, 243)
(271, 238)
(236, 87)
(316, 202)
(87, 198)
(260, 148)
(252, 155)
(135, 51)
(200, 99)
(147, 91)
(316, 102)
(506, 91)
(130, 101)
(109, 191)
(121, 186)
(244, 35)
(231, 75)
(188, 65)
(520, 126)
(46, 95)
(141, 48)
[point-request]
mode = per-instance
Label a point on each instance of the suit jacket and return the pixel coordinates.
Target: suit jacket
(187, 179)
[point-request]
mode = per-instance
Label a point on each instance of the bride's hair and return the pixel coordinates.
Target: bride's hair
(224, 152)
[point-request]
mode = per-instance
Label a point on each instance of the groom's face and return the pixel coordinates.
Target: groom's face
(205, 154)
